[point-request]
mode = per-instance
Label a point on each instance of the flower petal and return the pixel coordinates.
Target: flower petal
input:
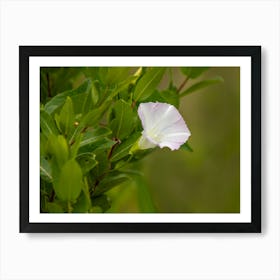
(171, 145)
(146, 143)
(168, 116)
(163, 125)
(149, 112)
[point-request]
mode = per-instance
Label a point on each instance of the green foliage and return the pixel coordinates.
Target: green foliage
(113, 75)
(113, 179)
(123, 122)
(65, 119)
(145, 200)
(69, 183)
(123, 150)
(90, 119)
(91, 98)
(54, 207)
(101, 202)
(186, 147)
(47, 124)
(89, 130)
(96, 139)
(44, 86)
(82, 204)
(148, 83)
(170, 95)
(78, 96)
(86, 161)
(45, 170)
(193, 72)
(58, 150)
(201, 85)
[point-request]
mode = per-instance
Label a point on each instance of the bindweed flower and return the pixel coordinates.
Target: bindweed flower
(163, 126)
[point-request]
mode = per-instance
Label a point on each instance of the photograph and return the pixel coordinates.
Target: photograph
(139, 139)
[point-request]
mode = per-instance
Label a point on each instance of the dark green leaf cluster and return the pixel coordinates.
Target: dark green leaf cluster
(88, 126)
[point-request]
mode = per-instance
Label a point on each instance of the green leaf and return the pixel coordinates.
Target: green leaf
(113, 75)
(122, 125)
(92, 136)
(121, 87)
(46, 193)
(123, 149)
(139, 154)
(43, 144)
(58, 151)
(53, 207)
(89, 120)
(57, 122)
(94, 93)
(145, 200)
(93, 116)
(75, 146)
(70, 182)
(126, 88)
(169, 96)
(102, 202)
(82, 205)
(86, 161)
(193, 72)
(95, 209)
(86, 191)
(102, 144)
(67, 117)
(77, 95)
(201, 85)
(91, 72)
(44, 87)
(186, 147)
(101, 168)
(58, 147)
(148, 83)
(47, 124)
(45, 170)
(91, 98)
(113, 179)
(61, 78)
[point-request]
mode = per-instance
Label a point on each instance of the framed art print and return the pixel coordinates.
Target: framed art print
(140, 138)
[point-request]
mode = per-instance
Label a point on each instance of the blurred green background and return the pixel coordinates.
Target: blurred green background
(205, 180)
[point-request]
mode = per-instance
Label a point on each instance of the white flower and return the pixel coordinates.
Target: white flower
(163, 126)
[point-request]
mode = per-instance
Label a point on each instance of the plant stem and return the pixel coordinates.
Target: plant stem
(125, 163)
(183, 84)
(118, 141)
(87, 190)
(69, 207)
(49, 85)
(52, 196)
(133, 104)
(104, 97)
(170, 76)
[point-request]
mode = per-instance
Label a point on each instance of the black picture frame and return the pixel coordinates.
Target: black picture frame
(254, 52)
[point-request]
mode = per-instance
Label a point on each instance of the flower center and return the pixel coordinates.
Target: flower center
(154, 135)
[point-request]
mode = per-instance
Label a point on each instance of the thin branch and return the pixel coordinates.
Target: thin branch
(118, 141)
(49, 85)
(51, 198)
(183, 84)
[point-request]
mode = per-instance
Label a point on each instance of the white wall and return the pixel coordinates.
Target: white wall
(138, 256)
